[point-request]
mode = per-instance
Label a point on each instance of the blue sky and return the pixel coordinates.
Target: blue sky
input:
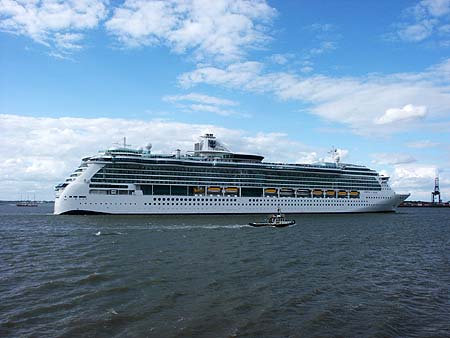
(285, 79)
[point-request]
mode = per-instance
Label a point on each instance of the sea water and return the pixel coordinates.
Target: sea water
(352, 275)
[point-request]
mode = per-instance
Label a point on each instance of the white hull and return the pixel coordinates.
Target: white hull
(172, 205)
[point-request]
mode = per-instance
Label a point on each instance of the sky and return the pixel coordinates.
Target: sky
(288, 80)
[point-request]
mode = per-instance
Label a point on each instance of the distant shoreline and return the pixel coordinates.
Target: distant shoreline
(421, 204)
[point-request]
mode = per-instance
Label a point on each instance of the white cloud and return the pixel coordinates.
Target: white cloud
(422, 144)
(392, 159)
(281, 59)
(200, 98)
(418, 179)
(325, 39)
(436, 8)
(423, 20)
(417, 32)
(324, 47)
(354, 101)
(222, 29)
(276, 147)
(322, 27)
(211, 109)
(306, 69)
(195, 102)
(407, 113)
(55, 24)
(445, 29)
(414, 176)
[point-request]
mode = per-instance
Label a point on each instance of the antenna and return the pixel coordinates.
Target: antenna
(335, 155)
(124, 144)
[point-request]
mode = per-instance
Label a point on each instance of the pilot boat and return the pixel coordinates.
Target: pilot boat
(275, 220)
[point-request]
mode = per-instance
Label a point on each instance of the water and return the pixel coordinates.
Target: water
(362, 275)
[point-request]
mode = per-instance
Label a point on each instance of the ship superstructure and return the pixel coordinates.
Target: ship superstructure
(213, 180)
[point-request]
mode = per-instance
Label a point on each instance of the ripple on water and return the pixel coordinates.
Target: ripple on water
(383, 275)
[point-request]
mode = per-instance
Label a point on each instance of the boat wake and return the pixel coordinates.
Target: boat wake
(115, 233)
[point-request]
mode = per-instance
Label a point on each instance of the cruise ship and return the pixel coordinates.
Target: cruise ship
(211, 179)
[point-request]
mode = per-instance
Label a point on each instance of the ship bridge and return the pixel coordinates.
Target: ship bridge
(210, 147)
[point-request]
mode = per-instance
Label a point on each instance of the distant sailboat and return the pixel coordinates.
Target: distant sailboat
(27, 203)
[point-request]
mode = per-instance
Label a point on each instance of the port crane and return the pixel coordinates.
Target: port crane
(436, 194)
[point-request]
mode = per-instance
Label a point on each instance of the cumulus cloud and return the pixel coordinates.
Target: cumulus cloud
(354, 101)
(56, 24)
(423, 20)
(418, 179)
(407, 113)
(414, 177)
(222, 29)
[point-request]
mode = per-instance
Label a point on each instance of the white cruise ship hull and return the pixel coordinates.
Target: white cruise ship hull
(174, 205)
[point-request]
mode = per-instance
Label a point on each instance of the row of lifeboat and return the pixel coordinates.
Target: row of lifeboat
(216, 190)
(283, 192)
(287, 192)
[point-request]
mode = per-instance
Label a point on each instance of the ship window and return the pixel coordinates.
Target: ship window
(161, 190)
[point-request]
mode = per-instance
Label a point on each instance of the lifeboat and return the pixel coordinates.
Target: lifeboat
(303, 193)
(342, 194)
(214, 190)
(331, 193)
(286, 192)
(231, 191)
(317, 193)
(270, 191)
(199, 190)
(354, 194)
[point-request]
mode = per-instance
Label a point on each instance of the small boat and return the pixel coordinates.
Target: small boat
(286, 192)
(317, 193)
(342, 194)
(270, 191)
(199, 190)
(303, 193)
(231, 191)
(214, 190)
(330, 193)
(276, 220)
(27, 204)
(354, 194)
